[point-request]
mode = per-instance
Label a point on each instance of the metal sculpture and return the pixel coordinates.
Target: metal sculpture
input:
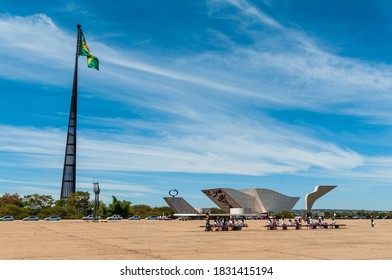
(96, 202)
(173, 193)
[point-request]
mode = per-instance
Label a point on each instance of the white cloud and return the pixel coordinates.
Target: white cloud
(300, 70)
(252, 12)
(33, 49)
(206, 102)
(238, 152)
(301, 75)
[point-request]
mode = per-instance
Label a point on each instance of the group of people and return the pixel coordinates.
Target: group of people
(309, 222)
(320, 223)
(223, 223)
(274, 223)
(226, 224)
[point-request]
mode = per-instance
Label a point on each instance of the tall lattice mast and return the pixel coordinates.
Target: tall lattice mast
(68, 184)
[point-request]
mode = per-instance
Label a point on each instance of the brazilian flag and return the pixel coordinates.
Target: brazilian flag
(92, 61)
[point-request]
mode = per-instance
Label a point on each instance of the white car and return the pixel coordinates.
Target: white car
(114, 217)
(31, 218)
(53, 218)
(90, 217)
(7, 218)
(151, 218)
(136, 217)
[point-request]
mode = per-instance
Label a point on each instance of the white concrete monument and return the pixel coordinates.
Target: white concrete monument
(318, 192)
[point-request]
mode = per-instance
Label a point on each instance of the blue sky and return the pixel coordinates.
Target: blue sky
(191, 95)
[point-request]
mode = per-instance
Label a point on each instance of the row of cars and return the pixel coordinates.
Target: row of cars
(89, 217)
(136, 217)
(31, 218)
(92, 217)
(118, 217)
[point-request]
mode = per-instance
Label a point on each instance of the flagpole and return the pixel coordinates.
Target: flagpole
(68, 184)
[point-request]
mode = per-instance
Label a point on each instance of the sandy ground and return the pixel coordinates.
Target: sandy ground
(179, 240)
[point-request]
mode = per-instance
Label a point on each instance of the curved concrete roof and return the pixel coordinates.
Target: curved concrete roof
(251, 200)
(318, 192)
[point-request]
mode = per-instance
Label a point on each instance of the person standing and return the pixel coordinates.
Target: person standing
(372, 222)
(307, 220)
(207, 219)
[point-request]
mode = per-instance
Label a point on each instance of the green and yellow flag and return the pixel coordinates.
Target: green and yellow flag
(92, 61)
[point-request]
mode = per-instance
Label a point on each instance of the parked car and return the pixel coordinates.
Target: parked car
(7, 218)
(164, 218)
(114, 217)
(152, 218)
(89, 217)
(134, 218)
(53, 218)
(31, 218)
(183, 218)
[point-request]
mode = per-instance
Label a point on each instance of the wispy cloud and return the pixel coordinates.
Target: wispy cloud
(239, 152)
(73, 7)
(313, 79)
(222, 139)
(33, 49)
(238, 155)
(197, 112)
(252, 12)
(310, 76)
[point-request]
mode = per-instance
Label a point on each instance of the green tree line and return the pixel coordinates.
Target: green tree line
(76, 206)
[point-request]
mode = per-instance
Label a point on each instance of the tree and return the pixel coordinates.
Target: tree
(103, 210)
(285, 214)
(140, 210)
(36, 202)
(215, 210)
(80, 201)
(145, 210)
(163, 210)
(125, 208)
(14, 210)
(54, 211)
(119, 207)
(14, 199)
(60, 202)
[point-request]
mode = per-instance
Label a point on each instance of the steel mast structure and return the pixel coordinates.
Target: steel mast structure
(68, 184)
